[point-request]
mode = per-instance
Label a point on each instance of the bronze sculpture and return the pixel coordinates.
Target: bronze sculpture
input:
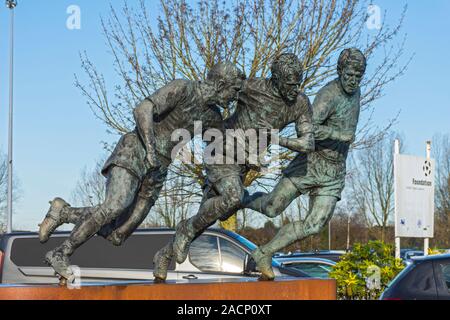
(276, 101)
(321, 174)
(137, 168)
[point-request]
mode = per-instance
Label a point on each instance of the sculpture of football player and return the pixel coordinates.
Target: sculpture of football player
(321, 174)
(138, 166)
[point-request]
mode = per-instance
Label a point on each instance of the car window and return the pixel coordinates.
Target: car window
(232, 256)
(445, 267)
(204, 254)
(314, 270)
(136, 253)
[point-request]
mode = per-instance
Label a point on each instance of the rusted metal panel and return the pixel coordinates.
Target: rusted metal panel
(255, 290)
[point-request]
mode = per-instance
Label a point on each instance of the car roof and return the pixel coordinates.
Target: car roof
(312, 253)
(242, 240)
(31, 233)
(304, 259)
(245, 242)
(431, 258)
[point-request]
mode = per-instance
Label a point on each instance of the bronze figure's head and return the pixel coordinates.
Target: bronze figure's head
(351, 67)
(287, 75)
(227, 79)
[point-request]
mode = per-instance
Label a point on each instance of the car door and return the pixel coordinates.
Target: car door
(442, 276)
(211, 257)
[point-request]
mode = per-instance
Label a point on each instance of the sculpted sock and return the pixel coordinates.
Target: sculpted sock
(75, 215)
(285, 236)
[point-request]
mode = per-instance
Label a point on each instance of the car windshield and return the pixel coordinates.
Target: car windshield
(315, 270)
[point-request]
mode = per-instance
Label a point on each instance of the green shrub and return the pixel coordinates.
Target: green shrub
(365, 272)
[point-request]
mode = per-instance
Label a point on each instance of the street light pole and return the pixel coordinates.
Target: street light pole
(10, 4)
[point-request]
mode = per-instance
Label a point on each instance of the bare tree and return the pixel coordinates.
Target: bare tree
(371, 183)
(187, 41)
(441, 151)
(183, 41)
(178, 200)
(3, 182)
(91, 187)
(4, 190)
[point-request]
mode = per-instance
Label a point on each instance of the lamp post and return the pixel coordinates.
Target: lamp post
(10, 4)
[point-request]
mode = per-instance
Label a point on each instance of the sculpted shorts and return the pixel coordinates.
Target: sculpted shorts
(216, 172)
(314, 175)
(130, 154)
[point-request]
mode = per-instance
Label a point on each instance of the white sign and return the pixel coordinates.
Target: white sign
(414, 196)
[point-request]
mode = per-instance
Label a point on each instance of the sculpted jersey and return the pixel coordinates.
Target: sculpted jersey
(335, 109)
(177, 105)
(258, 101)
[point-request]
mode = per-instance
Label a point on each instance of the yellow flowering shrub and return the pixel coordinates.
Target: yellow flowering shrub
(432, 252)
(364, 273)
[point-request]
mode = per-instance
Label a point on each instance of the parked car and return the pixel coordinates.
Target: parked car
(425, 278)
(215, 254)
(314, 267)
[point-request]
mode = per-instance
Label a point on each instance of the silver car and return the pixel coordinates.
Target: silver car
(215, 254)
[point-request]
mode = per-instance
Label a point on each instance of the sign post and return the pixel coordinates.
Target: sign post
(397, 238)
(426, 242)
(414, 197)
